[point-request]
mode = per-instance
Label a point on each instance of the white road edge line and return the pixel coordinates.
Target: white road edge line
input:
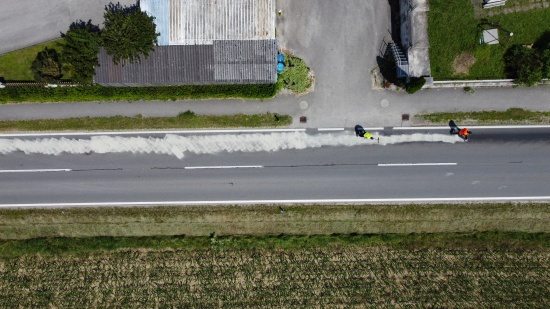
(476, 127)
(330, 129)
(301, 201)
(415, 164)
(37, 170)
(149, 132)
(221, 167)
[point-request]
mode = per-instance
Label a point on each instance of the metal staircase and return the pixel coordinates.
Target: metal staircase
(402, 65)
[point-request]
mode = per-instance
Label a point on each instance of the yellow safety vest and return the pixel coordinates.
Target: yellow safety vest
(367, 135)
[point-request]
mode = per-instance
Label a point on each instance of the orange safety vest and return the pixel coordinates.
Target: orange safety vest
(463, 132)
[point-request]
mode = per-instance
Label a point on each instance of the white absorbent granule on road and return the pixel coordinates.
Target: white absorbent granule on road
(206, 144)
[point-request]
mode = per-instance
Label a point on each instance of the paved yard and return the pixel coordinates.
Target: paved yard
(339, 40)
(29, 22)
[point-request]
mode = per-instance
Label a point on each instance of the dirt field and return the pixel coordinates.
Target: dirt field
(271, 220)
(501, 274)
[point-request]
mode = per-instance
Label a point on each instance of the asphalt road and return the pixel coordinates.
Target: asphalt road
(494, 164)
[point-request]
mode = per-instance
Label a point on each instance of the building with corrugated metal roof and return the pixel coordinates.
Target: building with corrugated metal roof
(202, 42)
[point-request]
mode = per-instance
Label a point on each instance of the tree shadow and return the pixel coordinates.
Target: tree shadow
(395, 22)
(543, 42)
(388, 68)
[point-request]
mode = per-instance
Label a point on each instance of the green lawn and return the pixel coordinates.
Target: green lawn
(17, 65)
(453, 30)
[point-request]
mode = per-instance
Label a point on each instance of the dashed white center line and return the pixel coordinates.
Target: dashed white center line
(221, 167)
(37, 170)
(416, 164)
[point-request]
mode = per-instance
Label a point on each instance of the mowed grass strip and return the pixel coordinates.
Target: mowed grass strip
(270, 220)
(478, 270)
(510, 116)
(186, 120)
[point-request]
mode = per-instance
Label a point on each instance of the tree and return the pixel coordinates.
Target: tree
(47, 67)
(129, 33)
(524, 64)
(81, 49)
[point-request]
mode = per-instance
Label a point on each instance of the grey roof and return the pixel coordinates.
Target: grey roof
(192, 22)
(223, 62)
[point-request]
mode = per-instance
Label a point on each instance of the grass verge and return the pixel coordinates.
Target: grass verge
(510, 116)
(269, 220)
(185, 120)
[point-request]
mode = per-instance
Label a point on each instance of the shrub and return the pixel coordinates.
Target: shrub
(47, 67)
(524, 64)
(295, 75)
(187, 113)
(415, 84)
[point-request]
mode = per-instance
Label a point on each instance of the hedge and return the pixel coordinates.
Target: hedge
(100, 93)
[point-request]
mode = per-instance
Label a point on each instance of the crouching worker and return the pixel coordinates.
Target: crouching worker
(464, 133)
(360, 131)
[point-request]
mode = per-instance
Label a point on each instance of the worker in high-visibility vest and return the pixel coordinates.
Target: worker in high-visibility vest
(368, 135)
(464, 133)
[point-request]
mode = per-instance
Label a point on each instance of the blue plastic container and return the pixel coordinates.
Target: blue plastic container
(280, 58)
(280, 67)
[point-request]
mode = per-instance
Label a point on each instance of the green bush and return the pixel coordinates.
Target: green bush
(100, 93)
(295, 75)
(187, 113)
(524, 64)
(47, 67)
(415, 84)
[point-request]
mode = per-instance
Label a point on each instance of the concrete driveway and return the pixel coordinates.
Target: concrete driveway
(339, 40)
(25, 23)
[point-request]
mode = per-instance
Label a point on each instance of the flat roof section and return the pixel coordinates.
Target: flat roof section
(203, 21)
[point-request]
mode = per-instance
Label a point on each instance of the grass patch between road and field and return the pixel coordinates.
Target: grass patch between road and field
(16, 66)
(187, 120)
(270, 220)
(510, 116)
